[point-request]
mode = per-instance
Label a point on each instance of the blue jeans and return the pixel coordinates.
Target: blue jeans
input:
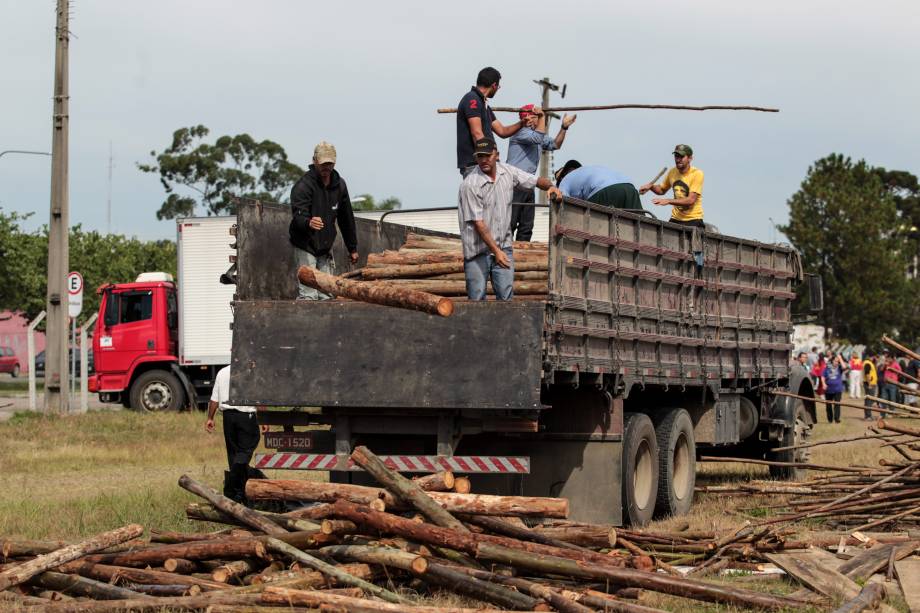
(483, 267)
(890, 392)
(323, 263)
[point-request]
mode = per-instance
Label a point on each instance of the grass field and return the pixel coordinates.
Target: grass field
(68, 477)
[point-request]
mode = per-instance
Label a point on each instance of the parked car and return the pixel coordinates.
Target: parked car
(40, 362)
(9, 362)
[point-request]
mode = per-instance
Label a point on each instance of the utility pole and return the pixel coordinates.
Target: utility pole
(56, 367)
(546, 156)
(108, 217)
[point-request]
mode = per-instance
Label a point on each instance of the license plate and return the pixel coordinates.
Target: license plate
(289, 441)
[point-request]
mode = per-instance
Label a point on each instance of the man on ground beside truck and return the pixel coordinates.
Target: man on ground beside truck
(687, 183)
(475, 120)
(598, 184)
(485, 221)
(241, 435)
(524, 150)
(319, 199)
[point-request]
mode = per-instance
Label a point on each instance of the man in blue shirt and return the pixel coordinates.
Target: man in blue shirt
(598, 184)
(524, 152)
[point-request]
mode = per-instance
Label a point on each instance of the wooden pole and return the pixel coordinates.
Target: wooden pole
(610, 107)
(900, 347)
(232, 508)
(25, 571)
(405, 489)
(75, 585)
(383, 294)
(840, 402)
(107, 573)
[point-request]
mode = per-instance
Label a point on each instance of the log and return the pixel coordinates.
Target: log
(384, 556)
(480, 504)
(18, 548)
(891, 427)
(302, 579)
(180, 566)
(110, 574)
(627, 577)
(233, 570)
(169, 537)
(331, 571)
(600, 537)
(868, 599)
(458, 287)
(200, 550)
(462, 485)
(409, 271)
(385, 295)
(337, 526)
(459, 582)
(162, 590)
(900, 347)
(232, 508)
(430, 256)
(405, 489)
(318, 598)
(76, 585)
(205, 512)
(608, 107)
(537, 590)
(182, 603)
(436, 482)
(772, 463)
(21, 573)
(312, 512)
(500, 526)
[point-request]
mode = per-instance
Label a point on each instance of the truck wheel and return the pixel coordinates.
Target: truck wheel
(640, 469)
(798, 434)
(676, 463)
(15, 372)
(157, 390)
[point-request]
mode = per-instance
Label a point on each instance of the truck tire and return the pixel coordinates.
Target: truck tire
(640, 469)
(15, 372)
(676, 463)
(157, 390)
(798, 434)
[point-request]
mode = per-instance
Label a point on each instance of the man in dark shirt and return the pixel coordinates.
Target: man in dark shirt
(475, 120)
(318, 201)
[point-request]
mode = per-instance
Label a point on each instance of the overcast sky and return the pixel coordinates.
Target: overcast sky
(368, 76)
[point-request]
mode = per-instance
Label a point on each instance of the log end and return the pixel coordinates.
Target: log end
(445, 307)
(221, 575)
(462, 485)
(449, 480)
(419, 565)
(378, 504)
(612, 537)
(326, 527)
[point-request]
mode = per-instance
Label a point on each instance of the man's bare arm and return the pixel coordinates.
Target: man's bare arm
(678, 202)
(476, 128)
(652, 187)
(499, 129)
(483, 230)
(567, 120)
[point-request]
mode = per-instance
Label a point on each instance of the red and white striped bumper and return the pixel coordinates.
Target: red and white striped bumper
(400, 463)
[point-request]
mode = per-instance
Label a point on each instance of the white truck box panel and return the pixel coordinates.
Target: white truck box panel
(205, 316)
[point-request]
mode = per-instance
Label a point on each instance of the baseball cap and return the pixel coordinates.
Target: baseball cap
(484, 146)
(324, 153)
(683, 150)
(566, 169)
(526, 110)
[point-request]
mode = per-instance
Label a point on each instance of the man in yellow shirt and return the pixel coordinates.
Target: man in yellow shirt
(870, 383)
(687, 183)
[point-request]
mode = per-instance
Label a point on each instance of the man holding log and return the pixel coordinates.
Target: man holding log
(319, 199)
(598, 184)
(241, 435)
(524, 150)
(687, 182)
(485, 221)
(475, 120)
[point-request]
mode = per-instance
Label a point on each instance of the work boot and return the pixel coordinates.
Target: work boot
(239, 474)
(228, 484)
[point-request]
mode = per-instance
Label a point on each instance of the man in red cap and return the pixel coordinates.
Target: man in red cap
(524, 152)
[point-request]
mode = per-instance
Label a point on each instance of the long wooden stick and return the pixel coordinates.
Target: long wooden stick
(900, 347)
(790, 464)
(25, 571)
(232, 508)
(830, 441)
(897, 405)
(840, 402)
(658, 176)
(610, 107)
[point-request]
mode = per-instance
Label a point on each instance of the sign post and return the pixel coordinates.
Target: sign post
(74, 306)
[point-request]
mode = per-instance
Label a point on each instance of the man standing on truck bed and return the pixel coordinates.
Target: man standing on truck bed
(241, 435)
(319, 199)
(687, 182)
(524, 150)
(485, 221)
(475, 120)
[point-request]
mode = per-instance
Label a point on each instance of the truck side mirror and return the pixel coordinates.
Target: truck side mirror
(815, 288)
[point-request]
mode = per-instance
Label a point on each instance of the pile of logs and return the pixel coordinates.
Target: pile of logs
(386, 549)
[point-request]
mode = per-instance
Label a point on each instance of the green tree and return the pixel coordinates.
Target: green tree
(366, 202)
(845, 222)
(100, 258)
(211, 174)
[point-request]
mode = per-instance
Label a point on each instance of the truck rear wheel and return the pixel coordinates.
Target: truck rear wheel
(797, 434)
(676, 463)
(640, 469)
(157, 390)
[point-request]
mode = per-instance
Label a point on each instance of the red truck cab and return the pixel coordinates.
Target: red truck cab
(135, 345)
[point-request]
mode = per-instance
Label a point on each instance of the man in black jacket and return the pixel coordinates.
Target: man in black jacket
(318, 200)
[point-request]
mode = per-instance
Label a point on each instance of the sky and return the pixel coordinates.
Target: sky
(369, 75)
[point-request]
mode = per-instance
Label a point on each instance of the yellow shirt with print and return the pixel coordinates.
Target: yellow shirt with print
(684, 185)
(871, 373)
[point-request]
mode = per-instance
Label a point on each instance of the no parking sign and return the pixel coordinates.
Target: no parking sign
(75, 294)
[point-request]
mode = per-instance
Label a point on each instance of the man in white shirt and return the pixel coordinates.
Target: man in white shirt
(241, 435)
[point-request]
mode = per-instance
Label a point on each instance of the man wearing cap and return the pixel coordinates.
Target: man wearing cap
(687, 183)
(524, 152)
(485, 221)
(319, 199)
(598, 184)
(476, 120)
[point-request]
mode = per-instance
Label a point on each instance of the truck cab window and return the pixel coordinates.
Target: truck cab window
(135, 306)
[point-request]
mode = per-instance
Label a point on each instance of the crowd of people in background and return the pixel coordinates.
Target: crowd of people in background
(868, 377)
